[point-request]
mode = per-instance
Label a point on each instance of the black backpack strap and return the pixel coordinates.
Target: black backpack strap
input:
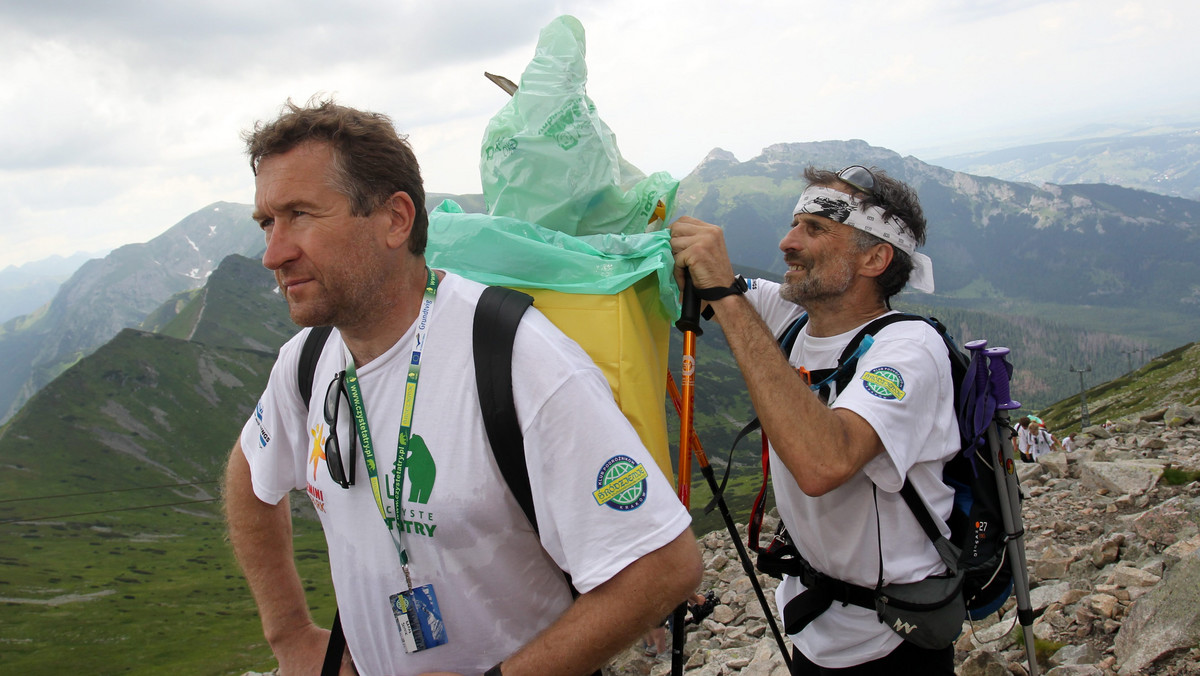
(848, 360)
(314, 343)
(497, 316)
(493, 334)
(924, 515)
(335, 648)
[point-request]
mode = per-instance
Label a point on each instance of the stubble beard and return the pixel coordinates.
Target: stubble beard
(348, 295)
(337, 302)
(821, 283)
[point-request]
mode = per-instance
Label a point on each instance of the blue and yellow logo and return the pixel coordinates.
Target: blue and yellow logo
(884, 382)
(621, 484)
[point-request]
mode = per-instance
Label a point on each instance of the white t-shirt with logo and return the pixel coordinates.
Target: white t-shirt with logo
(465, 534)
(902, 386)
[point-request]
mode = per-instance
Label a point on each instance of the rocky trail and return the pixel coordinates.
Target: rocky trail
(1113, 547)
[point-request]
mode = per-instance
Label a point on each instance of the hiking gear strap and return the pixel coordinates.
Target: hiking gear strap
(313, 344)
(497, 317)
(495, 330)
(335, 649)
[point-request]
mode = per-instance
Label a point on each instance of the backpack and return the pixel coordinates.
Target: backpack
(494, 330)
(977, 541)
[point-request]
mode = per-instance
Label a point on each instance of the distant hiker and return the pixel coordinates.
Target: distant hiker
(1023, 441)
(439, 570)
(851, 247)
(1043, 441)
(1068, 443)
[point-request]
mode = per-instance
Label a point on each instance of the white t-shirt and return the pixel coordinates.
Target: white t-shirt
(1024, 440)
(837, 532)
(1042, 443)
(465, 534)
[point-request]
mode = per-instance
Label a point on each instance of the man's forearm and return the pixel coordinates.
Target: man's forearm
(261, 536)
(612, 616)
(821, 447)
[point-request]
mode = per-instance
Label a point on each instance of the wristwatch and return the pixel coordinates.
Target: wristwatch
(712, 293)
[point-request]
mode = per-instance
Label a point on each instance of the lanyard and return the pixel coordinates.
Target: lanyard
(395, 526)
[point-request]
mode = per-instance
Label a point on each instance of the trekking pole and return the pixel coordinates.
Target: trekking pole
(689, 324)
(1004, 468)
(743, 555)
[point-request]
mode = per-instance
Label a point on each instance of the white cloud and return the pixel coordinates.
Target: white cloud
(121, 118)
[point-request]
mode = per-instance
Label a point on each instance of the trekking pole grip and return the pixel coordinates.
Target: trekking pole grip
(689, 316)
(976, 347)
(998, 368)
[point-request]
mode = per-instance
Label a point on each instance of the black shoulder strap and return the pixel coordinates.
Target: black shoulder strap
(495, 329)
(313, 344)
(847, 361)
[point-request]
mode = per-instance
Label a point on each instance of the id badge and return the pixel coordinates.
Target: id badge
(419, 619)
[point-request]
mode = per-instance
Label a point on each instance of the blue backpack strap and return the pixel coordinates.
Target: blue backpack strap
(788, 340)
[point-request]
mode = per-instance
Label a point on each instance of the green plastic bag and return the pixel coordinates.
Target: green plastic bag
(549, 159)
(565, 211)
(510, 252)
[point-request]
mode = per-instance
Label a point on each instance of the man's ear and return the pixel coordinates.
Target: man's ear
(876, 260)
(401, 213)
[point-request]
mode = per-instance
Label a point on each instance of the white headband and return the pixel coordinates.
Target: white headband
(843, 208)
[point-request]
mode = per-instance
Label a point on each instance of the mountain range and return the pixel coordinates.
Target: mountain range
(991, 241)
(116, 292)
(1157, 159)
(25, 288)
(1100, 258)
(1113, 269)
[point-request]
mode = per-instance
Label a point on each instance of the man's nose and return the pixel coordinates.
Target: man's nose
(792, 241)
(280, 248)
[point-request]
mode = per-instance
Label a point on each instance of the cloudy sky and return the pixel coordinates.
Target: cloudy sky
(120, 118)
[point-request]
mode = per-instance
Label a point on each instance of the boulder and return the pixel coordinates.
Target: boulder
(1056, 463)
(1121, 478)
(1168, 522)
(1162, 622)
(1178, 415)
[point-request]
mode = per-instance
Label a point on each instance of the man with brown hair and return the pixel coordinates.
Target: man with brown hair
(840, 458)
(436, 567)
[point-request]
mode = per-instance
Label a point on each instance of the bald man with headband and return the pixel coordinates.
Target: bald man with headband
(839, 459)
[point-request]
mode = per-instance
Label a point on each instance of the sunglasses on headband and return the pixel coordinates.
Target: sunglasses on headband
(858, 177)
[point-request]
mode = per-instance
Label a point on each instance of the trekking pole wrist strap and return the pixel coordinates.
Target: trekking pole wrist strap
(739, 287)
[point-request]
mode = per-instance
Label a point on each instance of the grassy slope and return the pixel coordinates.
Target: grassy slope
(169, 592)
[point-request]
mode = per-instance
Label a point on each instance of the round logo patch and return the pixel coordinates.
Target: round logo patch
(621, 484)
(884, 382)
